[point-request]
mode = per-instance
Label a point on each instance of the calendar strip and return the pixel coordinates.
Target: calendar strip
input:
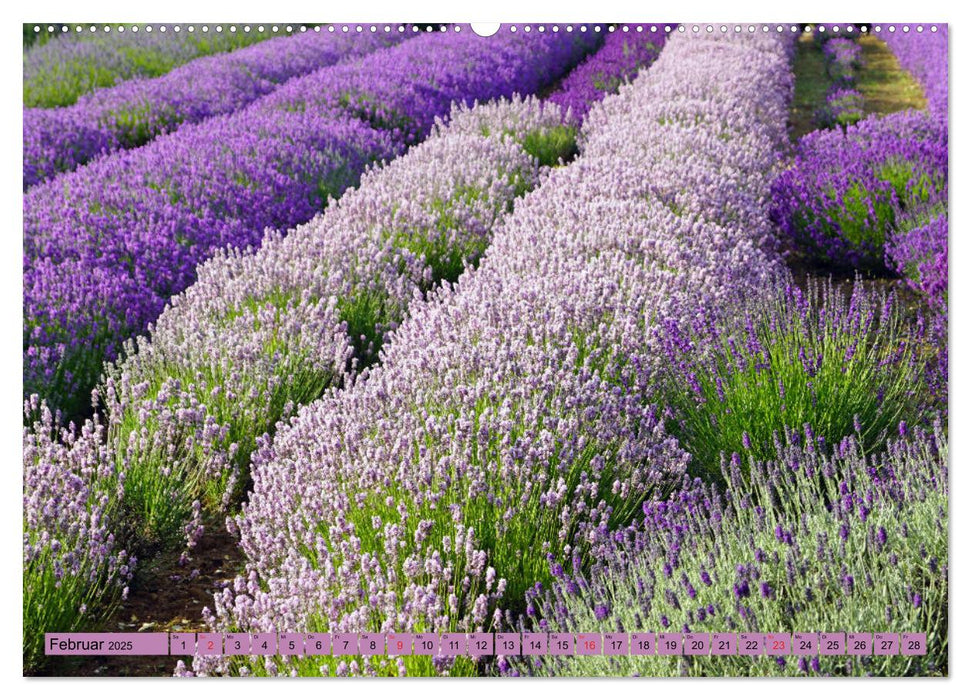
(486, 644)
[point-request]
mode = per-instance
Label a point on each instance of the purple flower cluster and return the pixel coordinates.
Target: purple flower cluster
(510, 422)
(73, 569)
(918, 253)
(137, 110)
(106, 246)
(844, 58)
(844, 106)
(797, 547)
(58, 72)
(843, 194)
(622, 55)
(924, 55)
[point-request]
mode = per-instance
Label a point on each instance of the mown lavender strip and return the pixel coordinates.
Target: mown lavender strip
(137, 110)
(510, 422)
(624, 52)
(106, 246)
(58, 72)
(924, 55)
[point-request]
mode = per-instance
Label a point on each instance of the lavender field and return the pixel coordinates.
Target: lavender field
(574, 328)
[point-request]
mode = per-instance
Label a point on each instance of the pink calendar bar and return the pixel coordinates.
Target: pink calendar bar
(859, 644)
(886, 644)
(642, 644)
(344, 644)
(589, 644)
(426, 644)
(482, 644)
(181, 643)
(832, 644)
(291, 644)
(536, 644)
(805, 643)
(669, 644)
(370, 643)
(106, 644)
(509, 644)
(778, 643)
(317, 644)
(209, 644)
(616, 644)
(913, 644)
(751, 644)
(454, 644)
(724, 644)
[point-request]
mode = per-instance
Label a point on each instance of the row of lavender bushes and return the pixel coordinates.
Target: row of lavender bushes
(135, 111)
(263, 331)
(58, 72)
(106, 246)
(844, 103)
(512, 421)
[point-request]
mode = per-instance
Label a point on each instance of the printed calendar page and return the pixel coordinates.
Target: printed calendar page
(524, 349)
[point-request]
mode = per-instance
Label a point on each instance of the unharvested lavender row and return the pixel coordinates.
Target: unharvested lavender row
(264, 332)
(136, 111)
(106, 246)
(624, 52)
(511, 421)
(924, 55)
(811, 542)
(59, 71)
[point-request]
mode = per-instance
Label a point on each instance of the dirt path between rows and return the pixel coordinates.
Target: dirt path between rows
(165, 597)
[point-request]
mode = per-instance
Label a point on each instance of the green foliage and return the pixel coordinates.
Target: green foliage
(552, 145)
(820, 360)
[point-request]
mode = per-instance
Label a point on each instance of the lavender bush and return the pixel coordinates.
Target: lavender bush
(844, 106)
(106, 246)
(840, 199)
(137, 110)
(57, 72)
(73, 569)
(809, 543)
(844, 58)
(622, 55)
(917, 251)
(511, 419)
(822, 364)
(924, 55)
